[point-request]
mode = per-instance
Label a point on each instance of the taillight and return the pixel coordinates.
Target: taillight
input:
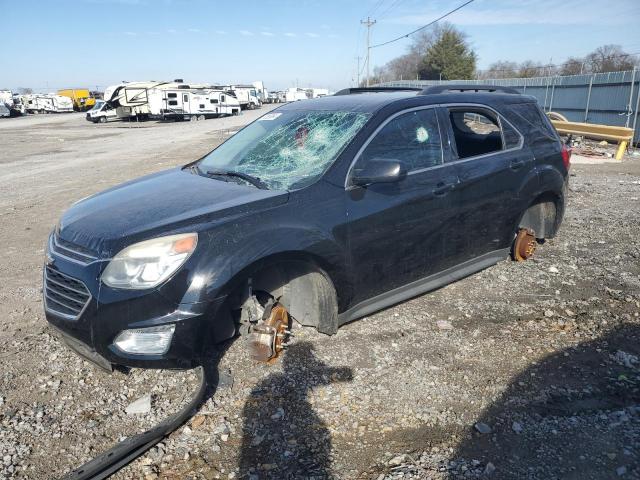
(566, 156)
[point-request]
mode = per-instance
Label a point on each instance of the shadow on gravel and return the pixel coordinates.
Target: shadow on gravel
(573, 415)
(283, 437)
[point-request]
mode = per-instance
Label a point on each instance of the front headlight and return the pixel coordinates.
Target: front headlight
(149, 263)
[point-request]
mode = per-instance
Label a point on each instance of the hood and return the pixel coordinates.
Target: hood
(156, 205)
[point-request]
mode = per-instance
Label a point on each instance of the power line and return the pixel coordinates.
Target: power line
(391, 6)
(424, 26)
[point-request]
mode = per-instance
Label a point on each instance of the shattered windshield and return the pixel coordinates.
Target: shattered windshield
(286, 150)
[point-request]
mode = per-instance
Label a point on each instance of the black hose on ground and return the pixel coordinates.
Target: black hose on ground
(128, 450)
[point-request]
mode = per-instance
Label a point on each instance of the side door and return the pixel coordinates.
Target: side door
(397, 232)
(492, 164)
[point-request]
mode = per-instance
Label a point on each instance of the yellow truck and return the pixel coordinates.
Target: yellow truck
(82, 98)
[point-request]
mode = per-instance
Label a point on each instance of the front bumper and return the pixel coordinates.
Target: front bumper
(107, 312)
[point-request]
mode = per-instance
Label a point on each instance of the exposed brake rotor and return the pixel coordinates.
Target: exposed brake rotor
(524, 245)
(268, 335)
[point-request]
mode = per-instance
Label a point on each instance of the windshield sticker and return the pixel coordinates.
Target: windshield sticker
(422, 135)
(270, 116)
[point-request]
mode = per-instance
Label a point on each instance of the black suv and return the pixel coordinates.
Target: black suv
(321, 211)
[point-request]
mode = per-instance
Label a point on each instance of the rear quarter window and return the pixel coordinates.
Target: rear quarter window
(537, 126)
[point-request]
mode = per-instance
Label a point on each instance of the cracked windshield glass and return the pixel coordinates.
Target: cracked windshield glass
(286, 150)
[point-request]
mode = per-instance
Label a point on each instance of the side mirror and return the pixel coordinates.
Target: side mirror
(378, 171)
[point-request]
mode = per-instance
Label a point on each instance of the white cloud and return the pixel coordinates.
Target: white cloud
(289, 34)
(333, 35)
(246, 33)
(324, 26)
(525, 12)
(312, 35)
(172, 30)
(131, 34)
(194, 30)
(267, 34)
(221, 32)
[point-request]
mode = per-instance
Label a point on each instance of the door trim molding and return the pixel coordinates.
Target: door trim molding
(421, 286)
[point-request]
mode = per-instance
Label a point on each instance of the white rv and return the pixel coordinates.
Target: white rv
(191, 103)
(47, 103)
(317, 92)
(4, 110)
(246, 95)
(294, 94)
(261, 92)
(130, 98)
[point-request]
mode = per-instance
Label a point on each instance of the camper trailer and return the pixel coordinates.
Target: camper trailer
(261, 92)
(191, 104)
(246, 95)
(130, 99)
(317, 92)
(294, 94)
(47, 103)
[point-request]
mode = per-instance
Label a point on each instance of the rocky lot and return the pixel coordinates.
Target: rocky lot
(525, 370)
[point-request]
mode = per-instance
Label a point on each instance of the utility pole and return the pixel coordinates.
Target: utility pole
(369, 23)
(358, 71)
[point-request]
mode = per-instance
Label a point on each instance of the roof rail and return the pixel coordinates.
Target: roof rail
(351, 91)
(453, 87)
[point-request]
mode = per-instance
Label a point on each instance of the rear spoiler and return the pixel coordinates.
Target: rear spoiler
(435, 89)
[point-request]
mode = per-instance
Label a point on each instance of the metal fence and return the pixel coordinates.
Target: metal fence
(611, 98)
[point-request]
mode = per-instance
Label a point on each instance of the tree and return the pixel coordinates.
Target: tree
(529, 69)
(573, 66)
(610, 58)
(449, 58)
(25, 90)
(501, 69)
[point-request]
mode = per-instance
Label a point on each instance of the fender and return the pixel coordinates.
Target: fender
(233, 255)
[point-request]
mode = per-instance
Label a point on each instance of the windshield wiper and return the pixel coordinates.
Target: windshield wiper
(255, 181)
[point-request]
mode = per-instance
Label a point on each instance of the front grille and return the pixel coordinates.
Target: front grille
(71, 251)
(64, 295)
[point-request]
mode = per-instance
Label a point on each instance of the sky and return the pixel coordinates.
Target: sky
(47, 45)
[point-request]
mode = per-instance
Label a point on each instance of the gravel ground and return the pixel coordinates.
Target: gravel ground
(525, 370)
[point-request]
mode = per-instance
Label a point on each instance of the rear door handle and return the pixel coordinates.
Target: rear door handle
(442, 188)
(516, 164)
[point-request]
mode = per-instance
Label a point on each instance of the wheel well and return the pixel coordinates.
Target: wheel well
(543, 215)
(299, 282)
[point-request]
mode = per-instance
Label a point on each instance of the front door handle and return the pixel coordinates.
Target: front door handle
(442, 188)
(516, 164)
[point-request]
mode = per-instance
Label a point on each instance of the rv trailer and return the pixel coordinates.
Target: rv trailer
(191, 104)
(294, 94)
(4, 110)
(246, 95)
(47, 103)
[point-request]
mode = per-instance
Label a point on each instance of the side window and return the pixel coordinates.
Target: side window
(172, 95)
(222, 98)
(510, 135)
(413, 138)
(214, 100)
(173, 102)
(185, 98)
(475, 131)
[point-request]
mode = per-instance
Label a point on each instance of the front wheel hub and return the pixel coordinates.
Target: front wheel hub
(524, 245)
(268, 335)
